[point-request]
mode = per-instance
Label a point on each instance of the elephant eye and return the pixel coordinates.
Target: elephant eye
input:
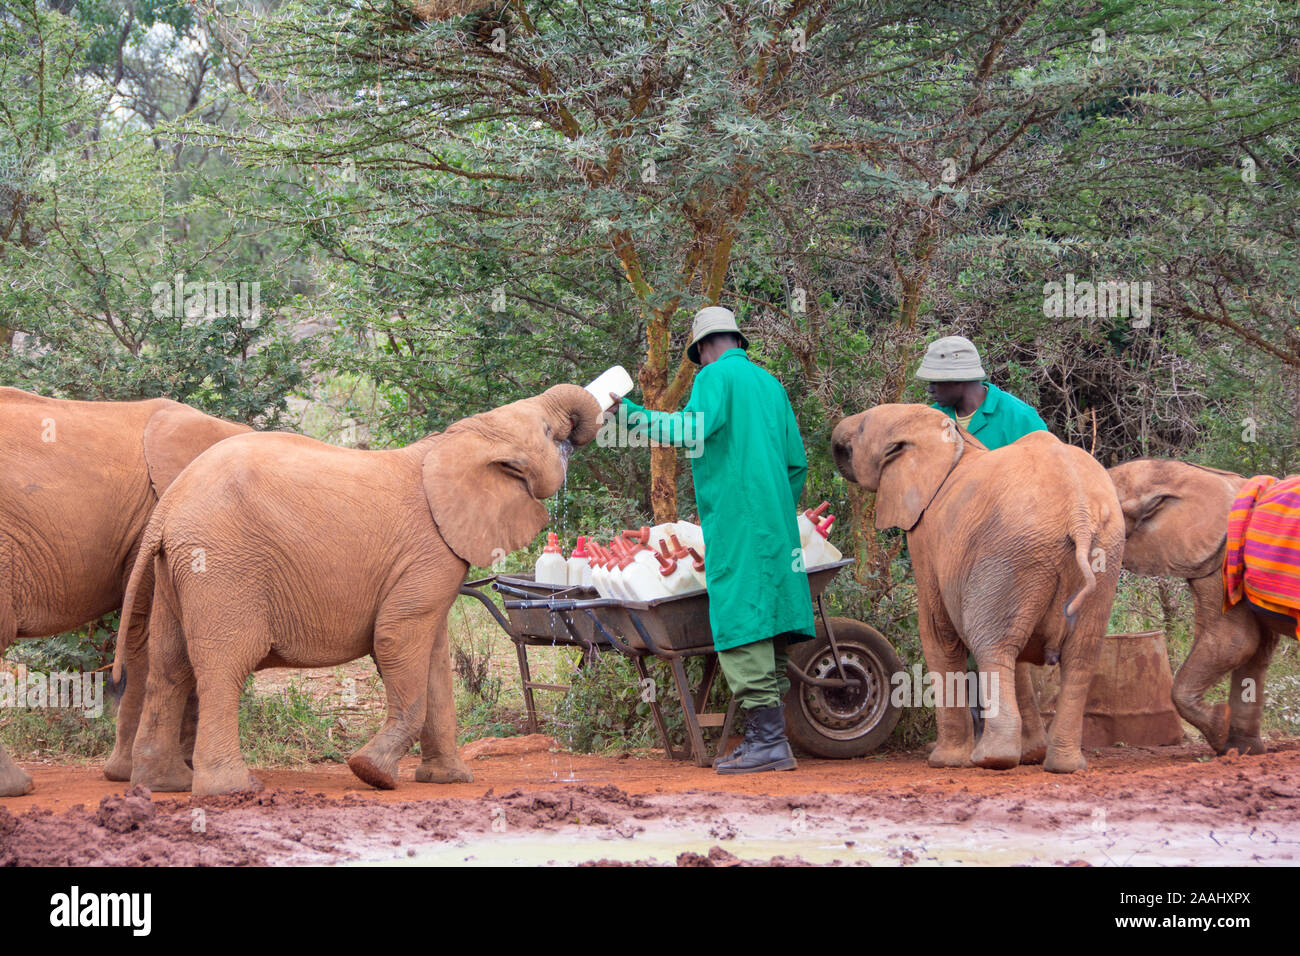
(548, 429)
(894, 448)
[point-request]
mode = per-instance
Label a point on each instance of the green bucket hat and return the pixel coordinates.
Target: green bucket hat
(708, 321)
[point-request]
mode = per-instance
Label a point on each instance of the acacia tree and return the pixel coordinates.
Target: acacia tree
(550, 139)
(95, 215)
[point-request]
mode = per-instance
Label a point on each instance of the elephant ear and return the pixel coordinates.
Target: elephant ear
(175, 436)
(913, 469)
(479, 498)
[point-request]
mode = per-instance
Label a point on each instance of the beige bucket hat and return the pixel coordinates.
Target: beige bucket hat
(707, 321)
(952, 358)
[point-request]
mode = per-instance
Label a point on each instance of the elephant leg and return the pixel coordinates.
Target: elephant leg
(944, 655)
(402, 651)
(190, 727)
(1065, 739)
(224, 654)
(440, 762)
(156, 758)
(1221, 643)
(129, 707)
(1246, 698)
(1000, 744)
(1033, 736)
(14, 780)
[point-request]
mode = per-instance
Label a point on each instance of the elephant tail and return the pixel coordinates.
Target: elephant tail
(139, 595)
(1083, 532)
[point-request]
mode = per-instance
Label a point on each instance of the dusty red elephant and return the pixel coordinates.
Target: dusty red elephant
(281, 551)
(1176, 517)
(78, 482)
(1016, 554)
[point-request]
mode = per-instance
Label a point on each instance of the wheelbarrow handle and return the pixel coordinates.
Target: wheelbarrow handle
(516, 592)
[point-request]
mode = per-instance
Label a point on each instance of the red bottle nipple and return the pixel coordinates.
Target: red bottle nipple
(812, 515)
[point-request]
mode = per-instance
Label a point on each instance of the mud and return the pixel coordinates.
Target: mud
(1171, 805)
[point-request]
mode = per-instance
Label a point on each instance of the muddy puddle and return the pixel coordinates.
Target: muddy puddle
(1157, 807)
(880, 842)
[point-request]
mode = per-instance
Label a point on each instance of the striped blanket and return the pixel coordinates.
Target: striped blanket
(1262, 562)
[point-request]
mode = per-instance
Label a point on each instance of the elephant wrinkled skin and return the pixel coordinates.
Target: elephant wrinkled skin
(1176, 517)
(80, 480)
(1016, 554)
(282, 551)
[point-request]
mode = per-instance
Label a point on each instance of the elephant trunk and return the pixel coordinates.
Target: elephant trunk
(571, 407)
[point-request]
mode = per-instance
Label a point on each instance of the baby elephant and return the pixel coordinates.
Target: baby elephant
(1016, 554)
(275, 550)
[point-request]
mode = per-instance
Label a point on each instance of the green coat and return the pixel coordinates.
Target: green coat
(749, 476)
(1000, 419)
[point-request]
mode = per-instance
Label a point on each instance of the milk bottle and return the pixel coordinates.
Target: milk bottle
(550, 568)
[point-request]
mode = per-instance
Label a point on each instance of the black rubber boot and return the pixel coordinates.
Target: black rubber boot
(764, 746)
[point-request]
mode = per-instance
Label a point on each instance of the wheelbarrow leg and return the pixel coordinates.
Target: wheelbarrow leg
(657, 713)
(726, 729)
(522, 650)
(696, 735)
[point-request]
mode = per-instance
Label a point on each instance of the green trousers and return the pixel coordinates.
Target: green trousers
(756, 672)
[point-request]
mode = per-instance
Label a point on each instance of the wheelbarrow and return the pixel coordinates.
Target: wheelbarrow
(839, 700)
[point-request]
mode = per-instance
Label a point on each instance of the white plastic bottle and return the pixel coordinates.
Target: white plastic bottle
(650, 537)
(808, 523)
(550, 568)
(820, 551)
(689, 535)
(692, 558)
(613, 379)
(640, 574)
(579, 566)
(614, 574)
(599, 562)
(678, 576)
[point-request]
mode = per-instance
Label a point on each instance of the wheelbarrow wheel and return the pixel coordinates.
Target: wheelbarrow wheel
(843, 722)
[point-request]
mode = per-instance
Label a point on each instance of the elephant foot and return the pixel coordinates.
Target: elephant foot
(118, 767)
(230, 779)
(15, 781)
(443, 770)
(951, 756)
(1219, 730)
(372, 773)
(162, 777)
(991, 756)
(1033, 751)
(1245, 745)
(1069, 762)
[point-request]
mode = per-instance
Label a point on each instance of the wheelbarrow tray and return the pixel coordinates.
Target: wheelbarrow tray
(681, 622)
(546, 626)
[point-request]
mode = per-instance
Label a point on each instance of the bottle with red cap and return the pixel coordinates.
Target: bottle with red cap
(676, 570)
(579, 565)
(819, 549)
(639, 571)
(808, 523)
(550, 567)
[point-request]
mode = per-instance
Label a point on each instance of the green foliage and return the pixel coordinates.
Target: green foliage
(606, 707)
(292, 727)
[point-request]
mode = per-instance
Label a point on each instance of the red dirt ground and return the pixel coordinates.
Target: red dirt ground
(324, 814)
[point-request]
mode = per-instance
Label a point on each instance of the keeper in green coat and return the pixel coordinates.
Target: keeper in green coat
(748, 464)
